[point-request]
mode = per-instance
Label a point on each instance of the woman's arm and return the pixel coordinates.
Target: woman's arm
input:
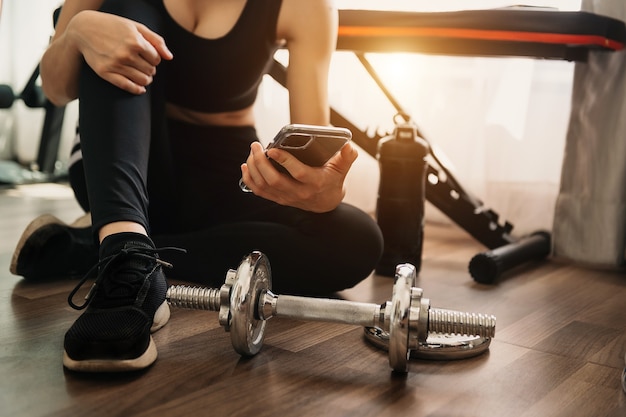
(310, 31)
(119, 50)
(61, 61)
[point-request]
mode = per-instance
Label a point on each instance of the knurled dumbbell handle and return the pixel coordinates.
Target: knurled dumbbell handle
(444, 321)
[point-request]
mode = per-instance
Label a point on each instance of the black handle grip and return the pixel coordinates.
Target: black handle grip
(487, 267)
(7, 96)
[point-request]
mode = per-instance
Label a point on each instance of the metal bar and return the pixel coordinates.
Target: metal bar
(327, 310)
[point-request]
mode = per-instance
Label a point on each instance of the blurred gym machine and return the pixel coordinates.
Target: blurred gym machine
(46, 167)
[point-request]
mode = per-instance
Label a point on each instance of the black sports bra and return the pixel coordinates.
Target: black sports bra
(223, 74)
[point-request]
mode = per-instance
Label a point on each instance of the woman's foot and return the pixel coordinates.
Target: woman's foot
(126, 304)
(50, 248)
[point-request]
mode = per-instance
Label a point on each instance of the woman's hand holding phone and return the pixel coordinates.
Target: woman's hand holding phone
(312, 188)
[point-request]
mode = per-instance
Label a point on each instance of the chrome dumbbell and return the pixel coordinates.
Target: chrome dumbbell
(245, 302)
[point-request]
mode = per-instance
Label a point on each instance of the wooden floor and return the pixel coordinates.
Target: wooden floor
(558, 350)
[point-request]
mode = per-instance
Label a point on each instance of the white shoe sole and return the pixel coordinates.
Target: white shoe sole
(113, 365)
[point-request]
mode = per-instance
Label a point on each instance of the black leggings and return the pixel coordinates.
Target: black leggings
(181, 182)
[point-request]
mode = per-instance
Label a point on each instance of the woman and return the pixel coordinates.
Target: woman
(165, 90)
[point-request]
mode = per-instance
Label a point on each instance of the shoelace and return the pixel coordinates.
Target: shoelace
(105, 263)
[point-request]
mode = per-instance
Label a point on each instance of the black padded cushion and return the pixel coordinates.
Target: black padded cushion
(535, 33)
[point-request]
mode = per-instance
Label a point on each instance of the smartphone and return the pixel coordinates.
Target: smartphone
(312, 145)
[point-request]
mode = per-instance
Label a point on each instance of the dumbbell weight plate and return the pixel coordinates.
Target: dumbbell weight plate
(246, 330)
(399, 318)
(436, 347)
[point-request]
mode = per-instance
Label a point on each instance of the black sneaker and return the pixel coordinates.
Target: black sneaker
(50, 248)
(126, 304)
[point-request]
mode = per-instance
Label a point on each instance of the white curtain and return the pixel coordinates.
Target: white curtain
(590, 215)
